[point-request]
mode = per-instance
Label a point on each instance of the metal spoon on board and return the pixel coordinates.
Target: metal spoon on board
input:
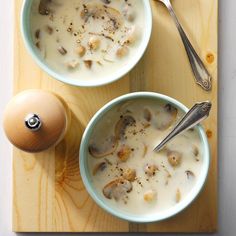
(202, 76)
(199, 112)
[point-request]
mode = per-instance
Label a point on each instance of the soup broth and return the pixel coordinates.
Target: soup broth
(125, 170)
(87, 39)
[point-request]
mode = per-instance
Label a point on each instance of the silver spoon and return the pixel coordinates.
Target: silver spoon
(199, 112)
(202, 76)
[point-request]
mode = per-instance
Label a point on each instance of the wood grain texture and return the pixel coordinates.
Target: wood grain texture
(48, 193)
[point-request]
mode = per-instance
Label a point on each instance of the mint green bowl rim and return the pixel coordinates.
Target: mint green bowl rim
(85, 174)
(116, 75)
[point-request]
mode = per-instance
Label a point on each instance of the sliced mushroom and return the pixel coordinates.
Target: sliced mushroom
(145, 149)
(166, 117)
(44, 7)
(117, 189)
(172, 111)
(146, 125)
(150, 170)
(124, 153)
(168, 176)
(190, 130)
(73, 64)
(190, 174)
(125, 106)
(81, 50)
(129, 174)
(88, 63)
(174, 158)
(122, 124)
(94, 43)
(62, 50)
(107, 161)
(128, 13)
(38, 45)
(122, 51)
(132, 36)
(178, 196)
(150, 196)
(106, 148)
(147, 114)
(196, 152)
(106, 1)
(49, 29)
(99, 63)
(113, 17)
(37, 33)
(99, 167)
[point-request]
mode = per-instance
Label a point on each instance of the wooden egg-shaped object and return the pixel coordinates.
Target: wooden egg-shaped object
(35, 120)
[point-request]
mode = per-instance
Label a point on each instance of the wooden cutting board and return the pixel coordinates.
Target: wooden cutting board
(48, 194)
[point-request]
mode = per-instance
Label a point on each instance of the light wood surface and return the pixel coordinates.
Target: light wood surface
(48, 193)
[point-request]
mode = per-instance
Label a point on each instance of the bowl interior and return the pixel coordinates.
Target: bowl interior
(90, 82)
(85, 173)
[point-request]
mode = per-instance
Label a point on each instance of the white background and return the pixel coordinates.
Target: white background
(227, 117)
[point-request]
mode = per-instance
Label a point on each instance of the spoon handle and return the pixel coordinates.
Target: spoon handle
(199, 112)
(202, 76)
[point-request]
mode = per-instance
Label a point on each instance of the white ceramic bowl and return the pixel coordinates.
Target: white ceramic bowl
(108, 78)
(87, 179)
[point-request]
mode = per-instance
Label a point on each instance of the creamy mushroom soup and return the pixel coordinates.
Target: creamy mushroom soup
(87, 39)
(125, 170)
